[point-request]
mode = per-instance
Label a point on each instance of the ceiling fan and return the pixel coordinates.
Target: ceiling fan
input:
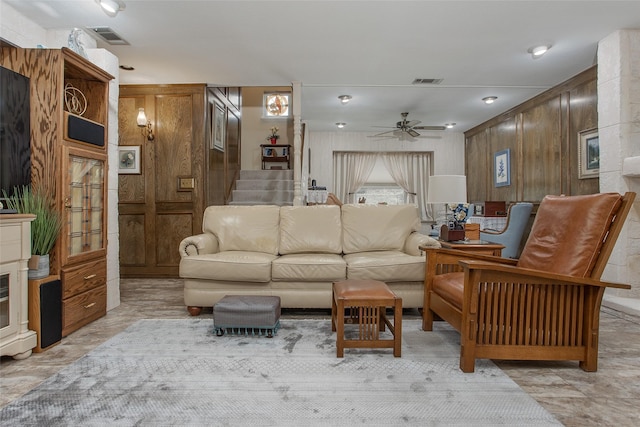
(406, 129)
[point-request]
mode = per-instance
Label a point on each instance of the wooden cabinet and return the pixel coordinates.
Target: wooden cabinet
(69, 116)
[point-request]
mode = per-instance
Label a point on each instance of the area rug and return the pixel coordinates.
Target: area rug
(178, 372)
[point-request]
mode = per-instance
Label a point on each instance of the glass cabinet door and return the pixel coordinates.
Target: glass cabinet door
(85, 205)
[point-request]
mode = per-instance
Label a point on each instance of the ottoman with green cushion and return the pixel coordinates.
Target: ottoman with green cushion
(247, 315)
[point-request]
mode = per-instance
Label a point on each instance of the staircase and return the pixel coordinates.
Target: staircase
(263, 187)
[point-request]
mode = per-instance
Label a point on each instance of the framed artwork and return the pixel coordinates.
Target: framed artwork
(129, 159)
(502, 168)
(588, 154)
(218, 131)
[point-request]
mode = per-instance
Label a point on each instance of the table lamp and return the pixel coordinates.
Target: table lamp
(448, 189)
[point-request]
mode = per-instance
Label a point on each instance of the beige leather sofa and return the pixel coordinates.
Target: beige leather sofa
(296, 252)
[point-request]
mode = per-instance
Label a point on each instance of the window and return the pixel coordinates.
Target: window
(390, 194)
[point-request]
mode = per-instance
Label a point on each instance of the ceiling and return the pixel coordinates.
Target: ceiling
(371, 50)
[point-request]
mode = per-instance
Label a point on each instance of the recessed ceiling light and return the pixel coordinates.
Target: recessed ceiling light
(127, 67)
(489, 99)
(449, 125)
(341, 125)
(538, 51)
(344, 98)
(111, 7)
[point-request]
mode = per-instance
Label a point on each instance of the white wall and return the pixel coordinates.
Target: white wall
(20, 31)
(619, 132)
(447, 148)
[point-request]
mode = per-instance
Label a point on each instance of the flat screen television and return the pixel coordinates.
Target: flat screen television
(15, 130)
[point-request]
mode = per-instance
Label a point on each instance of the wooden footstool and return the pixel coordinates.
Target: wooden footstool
(367, 301)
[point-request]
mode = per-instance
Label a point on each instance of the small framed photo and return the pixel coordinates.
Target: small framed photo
(588, 154)
(129, 159)
(502, 168)
(218, 128)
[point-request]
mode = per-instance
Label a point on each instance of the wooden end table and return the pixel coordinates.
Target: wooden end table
(475, 246)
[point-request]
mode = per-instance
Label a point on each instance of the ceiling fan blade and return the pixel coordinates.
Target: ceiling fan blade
(429, 127)
(412, 123)
(412, 132)
(383, 134)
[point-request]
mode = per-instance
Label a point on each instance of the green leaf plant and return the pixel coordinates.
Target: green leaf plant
(46, 227)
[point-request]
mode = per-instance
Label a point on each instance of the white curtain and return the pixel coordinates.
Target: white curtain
(350, 172)
(411, 172)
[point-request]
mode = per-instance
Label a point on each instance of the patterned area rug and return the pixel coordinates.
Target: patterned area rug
(178, 372)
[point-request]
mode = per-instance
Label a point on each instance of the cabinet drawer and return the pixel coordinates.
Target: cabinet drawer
(83, 309)
(84, 277)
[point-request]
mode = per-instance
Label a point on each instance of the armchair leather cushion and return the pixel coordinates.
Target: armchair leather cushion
(568, 232)
(450, 286)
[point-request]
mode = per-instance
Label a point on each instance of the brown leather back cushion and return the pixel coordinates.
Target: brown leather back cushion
(568, 232)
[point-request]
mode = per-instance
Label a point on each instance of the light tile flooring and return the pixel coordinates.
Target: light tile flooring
(609, 397)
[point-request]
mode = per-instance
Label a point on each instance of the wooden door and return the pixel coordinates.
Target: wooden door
(164, 203)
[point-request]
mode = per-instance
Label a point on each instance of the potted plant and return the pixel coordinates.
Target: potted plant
(44, 228)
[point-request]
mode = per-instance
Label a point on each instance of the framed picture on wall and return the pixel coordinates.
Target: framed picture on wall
(218, 127)
(588, 154)
(129, 159)
(502, 168)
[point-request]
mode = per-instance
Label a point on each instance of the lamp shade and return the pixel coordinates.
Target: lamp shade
(447, 189)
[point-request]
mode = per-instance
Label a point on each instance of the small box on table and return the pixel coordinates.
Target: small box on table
(247, 315)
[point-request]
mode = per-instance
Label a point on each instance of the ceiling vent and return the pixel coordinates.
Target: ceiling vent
(108, 35)
(427, 81)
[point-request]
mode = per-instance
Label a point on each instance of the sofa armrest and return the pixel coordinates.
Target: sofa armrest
(198, 245)
(415, 240)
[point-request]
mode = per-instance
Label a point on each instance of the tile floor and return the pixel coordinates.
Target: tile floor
(609, 397)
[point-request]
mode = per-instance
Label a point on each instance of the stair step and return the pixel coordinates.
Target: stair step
(264, 184)
(284, 174)
(262, 195)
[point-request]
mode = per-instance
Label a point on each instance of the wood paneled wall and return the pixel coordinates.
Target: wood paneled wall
(542, 136)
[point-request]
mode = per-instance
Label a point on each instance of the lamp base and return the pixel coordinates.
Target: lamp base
(450, 234)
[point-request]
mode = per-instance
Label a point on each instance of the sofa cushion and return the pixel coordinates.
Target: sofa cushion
(310, 229)
(235, 266)
(385, 266)
(450, 287)
(244, 228)
(309, 267)
(377, 227)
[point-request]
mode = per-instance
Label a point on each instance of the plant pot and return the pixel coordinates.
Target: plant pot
(274, 140)
(38, 266)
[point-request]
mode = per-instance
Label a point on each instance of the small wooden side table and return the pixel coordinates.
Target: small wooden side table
(475, 246)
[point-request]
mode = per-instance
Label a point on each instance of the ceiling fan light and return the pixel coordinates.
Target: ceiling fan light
(345, 98)
(489, 99)
(341, 125)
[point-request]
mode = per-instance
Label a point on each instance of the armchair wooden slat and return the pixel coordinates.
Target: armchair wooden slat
(519, 310)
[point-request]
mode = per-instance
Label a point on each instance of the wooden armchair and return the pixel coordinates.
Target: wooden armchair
(543, 306)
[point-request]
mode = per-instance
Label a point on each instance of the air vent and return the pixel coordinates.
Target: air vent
(108, 35)
(427, 81)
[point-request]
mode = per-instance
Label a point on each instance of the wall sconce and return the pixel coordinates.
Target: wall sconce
(145, 125)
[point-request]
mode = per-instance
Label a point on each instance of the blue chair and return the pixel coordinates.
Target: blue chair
(517, 218)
